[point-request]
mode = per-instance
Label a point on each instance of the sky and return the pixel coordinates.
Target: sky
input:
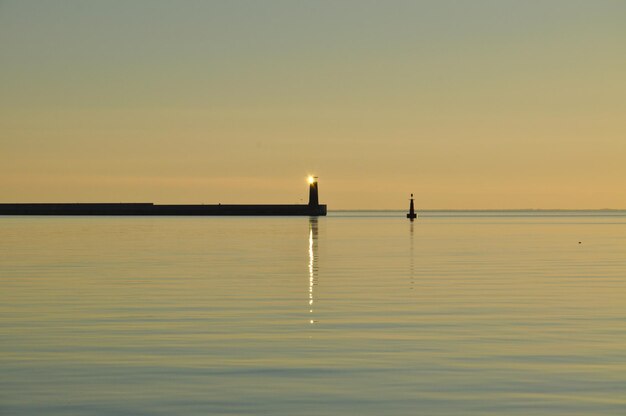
(467, 104)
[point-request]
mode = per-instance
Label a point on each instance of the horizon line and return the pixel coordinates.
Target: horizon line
(480, 209)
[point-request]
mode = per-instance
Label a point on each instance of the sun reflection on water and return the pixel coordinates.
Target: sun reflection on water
(312, 263)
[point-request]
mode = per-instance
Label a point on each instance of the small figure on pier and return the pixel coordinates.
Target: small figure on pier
(411, 215)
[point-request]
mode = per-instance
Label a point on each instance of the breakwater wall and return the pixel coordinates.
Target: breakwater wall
(154, 209)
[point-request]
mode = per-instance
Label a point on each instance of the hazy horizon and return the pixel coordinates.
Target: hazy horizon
(468, 105)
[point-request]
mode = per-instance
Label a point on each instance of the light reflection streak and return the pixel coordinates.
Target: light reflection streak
(412, 260)
(312, 263)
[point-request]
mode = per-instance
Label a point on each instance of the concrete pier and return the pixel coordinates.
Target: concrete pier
(153, 209)
(313, 208)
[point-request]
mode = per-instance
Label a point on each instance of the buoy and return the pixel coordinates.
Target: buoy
(411, 215)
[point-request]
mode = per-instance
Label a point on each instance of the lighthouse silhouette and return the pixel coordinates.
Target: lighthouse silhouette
(313, 192)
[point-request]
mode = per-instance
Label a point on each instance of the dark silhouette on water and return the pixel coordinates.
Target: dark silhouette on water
(411, 215)
(313, 208)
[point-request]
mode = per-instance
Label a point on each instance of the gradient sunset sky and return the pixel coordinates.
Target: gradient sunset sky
(467, 104)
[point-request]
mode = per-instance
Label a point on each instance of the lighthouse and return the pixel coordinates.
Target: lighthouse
(314, 200)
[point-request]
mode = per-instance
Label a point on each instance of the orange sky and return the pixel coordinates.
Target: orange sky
(487, 104)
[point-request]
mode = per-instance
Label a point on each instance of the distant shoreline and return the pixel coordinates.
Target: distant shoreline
(485, 210)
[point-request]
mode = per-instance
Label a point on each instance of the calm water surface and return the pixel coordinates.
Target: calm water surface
(358, 313)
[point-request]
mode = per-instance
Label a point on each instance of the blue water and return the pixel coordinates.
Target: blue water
(358, 313)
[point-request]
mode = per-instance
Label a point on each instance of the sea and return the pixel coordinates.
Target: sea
(356, 313)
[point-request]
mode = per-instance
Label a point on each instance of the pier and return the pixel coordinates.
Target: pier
(313, 208)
